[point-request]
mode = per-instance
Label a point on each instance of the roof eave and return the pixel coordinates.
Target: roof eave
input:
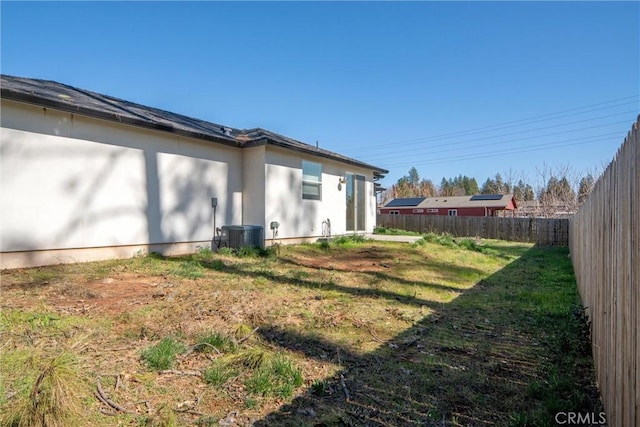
(240, 139)
(378, 172)
(112, 117)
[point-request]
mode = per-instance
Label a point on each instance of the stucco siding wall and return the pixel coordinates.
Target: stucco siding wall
(303, 218)
(254, 187)
(74, 182)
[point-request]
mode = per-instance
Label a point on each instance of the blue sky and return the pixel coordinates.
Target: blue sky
(472, 88)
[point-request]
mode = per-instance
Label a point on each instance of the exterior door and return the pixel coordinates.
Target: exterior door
(356, 202)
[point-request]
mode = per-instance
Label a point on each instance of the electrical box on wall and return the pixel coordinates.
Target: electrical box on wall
(214, 202)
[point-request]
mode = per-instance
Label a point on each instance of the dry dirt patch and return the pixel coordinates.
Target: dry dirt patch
(115, 294)
(370, 259)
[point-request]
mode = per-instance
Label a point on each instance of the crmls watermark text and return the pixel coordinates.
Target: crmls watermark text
(581, 418)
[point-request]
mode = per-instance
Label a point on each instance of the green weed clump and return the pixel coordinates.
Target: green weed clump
(251, 251)
(218, 374)
(324, 245)
(163, 355)
(257, 252)
(48, 394)
(163, 417)
(470, 245)
(320, 387)
(449, 241)
(278, 377)
(225, 251)
(252, 358)
(441, 239)
(214, 340)
(190, 269)
(350, 240)
(269, 374)
(204, 253)
(394, 231)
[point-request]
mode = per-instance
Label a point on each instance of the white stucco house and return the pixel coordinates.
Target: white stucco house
(86, 176)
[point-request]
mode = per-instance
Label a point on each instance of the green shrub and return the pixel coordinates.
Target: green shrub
(162, 355)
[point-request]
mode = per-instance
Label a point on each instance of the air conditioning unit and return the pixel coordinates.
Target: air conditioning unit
(238, 236)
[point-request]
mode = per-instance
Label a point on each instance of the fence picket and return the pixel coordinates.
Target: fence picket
(542, 231)
(604, 240)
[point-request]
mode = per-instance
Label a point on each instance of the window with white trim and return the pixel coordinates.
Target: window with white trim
(311, 180)
(453, 212)
(432, 210)
(418, 211)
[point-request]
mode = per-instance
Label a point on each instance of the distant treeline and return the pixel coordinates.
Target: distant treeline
(559, 187)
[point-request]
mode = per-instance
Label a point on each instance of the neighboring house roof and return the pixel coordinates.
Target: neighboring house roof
(79, 101)
(479, 200)
(404, 202)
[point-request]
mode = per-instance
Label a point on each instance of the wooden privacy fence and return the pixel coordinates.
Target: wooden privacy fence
(605, 248)
(542, 231)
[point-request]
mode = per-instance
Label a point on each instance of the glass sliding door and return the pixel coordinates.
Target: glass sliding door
(351, 203)
(356, 202)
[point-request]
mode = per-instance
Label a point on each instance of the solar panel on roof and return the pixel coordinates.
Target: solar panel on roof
(479, 197)
(409, 201)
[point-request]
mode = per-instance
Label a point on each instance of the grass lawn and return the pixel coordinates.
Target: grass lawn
(442, 332)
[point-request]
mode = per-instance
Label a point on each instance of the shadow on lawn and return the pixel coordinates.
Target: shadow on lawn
(356, 291)
(449, 271)
(481, 359)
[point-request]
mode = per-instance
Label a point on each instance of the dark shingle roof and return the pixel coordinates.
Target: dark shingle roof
(79, 101)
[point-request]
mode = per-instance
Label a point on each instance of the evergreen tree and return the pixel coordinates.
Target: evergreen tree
(584, 188)
(446, 187)
(489, 187)
(470, 186)
(413, 177)
(529, 194)
(518, 191)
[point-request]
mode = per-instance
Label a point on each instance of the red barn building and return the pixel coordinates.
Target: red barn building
(478, 205)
